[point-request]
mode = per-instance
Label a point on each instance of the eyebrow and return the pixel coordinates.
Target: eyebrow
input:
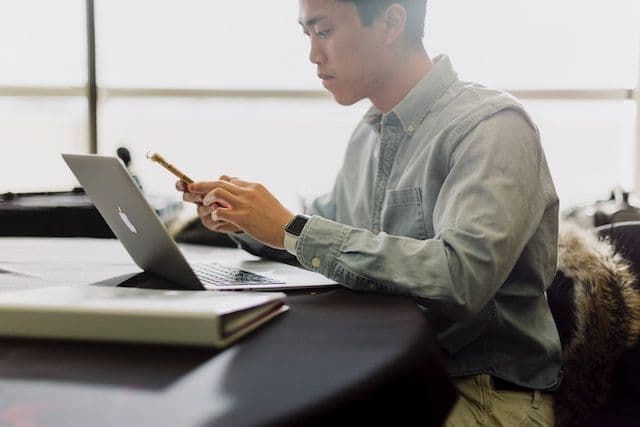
(313, 21)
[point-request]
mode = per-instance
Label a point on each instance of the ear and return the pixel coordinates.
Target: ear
(395, 21)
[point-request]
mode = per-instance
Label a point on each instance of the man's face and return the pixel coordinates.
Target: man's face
(348, 55)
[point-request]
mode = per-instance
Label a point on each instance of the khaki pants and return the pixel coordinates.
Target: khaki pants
(480, 404)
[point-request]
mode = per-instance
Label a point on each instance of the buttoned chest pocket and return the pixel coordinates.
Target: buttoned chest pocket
(403, 214)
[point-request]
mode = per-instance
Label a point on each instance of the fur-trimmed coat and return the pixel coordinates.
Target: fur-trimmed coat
(595, 301)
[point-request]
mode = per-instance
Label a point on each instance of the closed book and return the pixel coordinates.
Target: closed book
(98, 313)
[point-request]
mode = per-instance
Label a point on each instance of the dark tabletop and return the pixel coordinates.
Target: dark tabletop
(335, 356)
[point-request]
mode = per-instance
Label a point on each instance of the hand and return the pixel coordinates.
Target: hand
(204, 212)
(248, 206)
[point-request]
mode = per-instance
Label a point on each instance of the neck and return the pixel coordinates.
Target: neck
(400, 79)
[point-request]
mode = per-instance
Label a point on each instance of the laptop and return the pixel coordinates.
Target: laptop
(134, 222)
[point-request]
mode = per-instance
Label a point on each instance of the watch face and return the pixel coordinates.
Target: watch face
(296, 225)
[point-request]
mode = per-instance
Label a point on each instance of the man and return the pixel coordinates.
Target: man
(444, 195)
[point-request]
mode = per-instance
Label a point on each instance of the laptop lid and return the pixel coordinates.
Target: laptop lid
(134, 222)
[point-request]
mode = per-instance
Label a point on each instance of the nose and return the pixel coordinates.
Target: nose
(316, 55)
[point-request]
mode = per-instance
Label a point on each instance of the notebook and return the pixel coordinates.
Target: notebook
(134, 222)
(175, 317)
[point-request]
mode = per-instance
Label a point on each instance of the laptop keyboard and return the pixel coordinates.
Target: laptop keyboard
(220, 275)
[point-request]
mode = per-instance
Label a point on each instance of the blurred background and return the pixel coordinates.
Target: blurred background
(226, 87)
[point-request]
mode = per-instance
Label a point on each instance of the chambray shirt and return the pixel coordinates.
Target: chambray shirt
(448, 199)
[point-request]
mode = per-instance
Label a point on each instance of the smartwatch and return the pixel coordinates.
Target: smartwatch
(292, 231)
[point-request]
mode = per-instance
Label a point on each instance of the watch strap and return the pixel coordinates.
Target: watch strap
(292, 232)
(290, 242)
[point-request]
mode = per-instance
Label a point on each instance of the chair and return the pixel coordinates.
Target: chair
(595, 301)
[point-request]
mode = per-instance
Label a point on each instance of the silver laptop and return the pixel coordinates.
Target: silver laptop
(134, 222)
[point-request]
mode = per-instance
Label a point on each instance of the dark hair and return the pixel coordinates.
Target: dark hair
(416, 12)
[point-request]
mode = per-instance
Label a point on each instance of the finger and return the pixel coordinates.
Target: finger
(219, 226)
(207, 186)
(201, 187)
(227, 178)
(225, 227)
(239, 182)
(191, 197)
(182, 186)
(204, 211)
(223, 214)
(208, 222)
(222, 197)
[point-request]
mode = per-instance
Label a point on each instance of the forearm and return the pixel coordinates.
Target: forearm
(453, 271)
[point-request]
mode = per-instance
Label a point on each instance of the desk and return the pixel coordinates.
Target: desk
(336, 356)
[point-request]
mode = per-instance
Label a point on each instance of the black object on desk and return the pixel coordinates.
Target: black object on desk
(63, 214)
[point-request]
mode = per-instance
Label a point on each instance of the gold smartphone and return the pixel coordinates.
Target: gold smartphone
(155, 157)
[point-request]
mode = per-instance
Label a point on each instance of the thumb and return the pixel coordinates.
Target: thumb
(200, 187)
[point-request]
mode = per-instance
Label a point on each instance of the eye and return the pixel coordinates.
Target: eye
(323, 34)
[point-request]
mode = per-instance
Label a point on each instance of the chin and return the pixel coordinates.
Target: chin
(346, 99)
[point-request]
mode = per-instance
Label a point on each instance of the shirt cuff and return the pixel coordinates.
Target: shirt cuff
(318, 246)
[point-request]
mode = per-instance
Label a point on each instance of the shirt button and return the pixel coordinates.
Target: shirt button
(411, 129)
(375, 230)
(315, 262)
(372, 285)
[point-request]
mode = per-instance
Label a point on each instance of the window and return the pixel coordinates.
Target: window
(541, 44)
(43, 110)
(588, 145)
(257, 139)
(220, 90)
(42, 43)
(239, 44)
(584, 58)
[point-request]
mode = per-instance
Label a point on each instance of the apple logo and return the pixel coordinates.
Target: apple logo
(125, 219)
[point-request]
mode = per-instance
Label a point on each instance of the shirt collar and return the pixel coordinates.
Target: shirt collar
(415, 106)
